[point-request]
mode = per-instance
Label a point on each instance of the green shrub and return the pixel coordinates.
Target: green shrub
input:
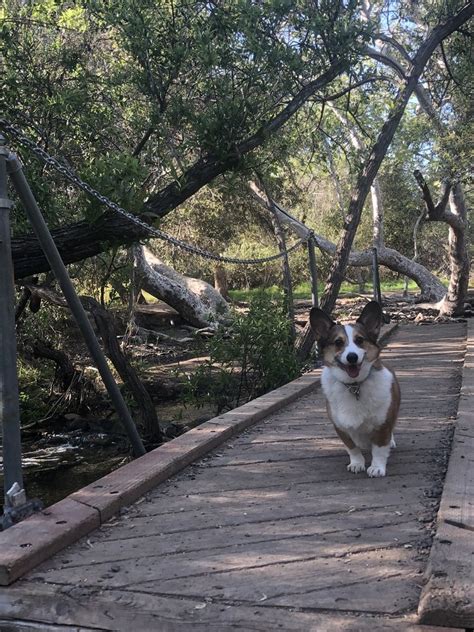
(252, 357)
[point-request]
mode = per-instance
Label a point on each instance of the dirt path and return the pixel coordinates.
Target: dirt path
(271, 531)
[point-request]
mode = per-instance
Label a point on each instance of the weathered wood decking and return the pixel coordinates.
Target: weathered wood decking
(270, 531)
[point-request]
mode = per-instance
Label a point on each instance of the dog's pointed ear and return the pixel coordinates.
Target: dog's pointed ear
(321, 323)
(372, 318)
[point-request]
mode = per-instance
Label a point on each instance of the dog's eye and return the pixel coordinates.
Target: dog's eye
(339, 343)
(359, 340)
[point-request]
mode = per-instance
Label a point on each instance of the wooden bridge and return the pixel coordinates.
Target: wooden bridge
(269, 531)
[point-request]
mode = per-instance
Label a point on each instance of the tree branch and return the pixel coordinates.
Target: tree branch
(434, 213)
(210, 166)
(143, 141)
(79, 241)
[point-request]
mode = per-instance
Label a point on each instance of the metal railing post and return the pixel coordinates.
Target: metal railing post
(313, 270)
(376, 277)
(57, 266)
(9, 398)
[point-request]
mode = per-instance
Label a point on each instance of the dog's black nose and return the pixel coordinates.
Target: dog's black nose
(352, 358)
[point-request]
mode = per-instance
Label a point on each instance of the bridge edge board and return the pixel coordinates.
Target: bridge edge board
(448, 595)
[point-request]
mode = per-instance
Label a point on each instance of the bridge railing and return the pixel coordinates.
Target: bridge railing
(16, 505)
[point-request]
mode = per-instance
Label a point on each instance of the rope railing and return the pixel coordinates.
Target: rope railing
(50, 161)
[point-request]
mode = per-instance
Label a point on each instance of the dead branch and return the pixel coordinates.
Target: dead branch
(434, 212)
(65, 370)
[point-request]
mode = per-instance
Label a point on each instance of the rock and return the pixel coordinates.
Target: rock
(156, 315)
(163, 389)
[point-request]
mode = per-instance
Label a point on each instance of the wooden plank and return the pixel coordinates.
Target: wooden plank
(283, 502)
(295, 537)
(125, 485)
(24, 546)
(121, 611)
(311, 486)
(448, 596)
(331, 470)
(84, 510)
(311, 583)
(32, 626)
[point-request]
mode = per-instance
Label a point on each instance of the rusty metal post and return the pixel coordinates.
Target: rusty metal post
(9, 399)
(16, 506)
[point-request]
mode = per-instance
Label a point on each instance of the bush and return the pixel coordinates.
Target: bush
(252, 357)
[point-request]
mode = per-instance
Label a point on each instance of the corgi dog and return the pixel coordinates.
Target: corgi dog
(362, 395)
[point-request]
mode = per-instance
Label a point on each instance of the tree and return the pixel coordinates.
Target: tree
(452, 300)
(173, 95)
(431, 288)
(372, 164)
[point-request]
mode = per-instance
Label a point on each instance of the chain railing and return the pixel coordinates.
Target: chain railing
(50, 161)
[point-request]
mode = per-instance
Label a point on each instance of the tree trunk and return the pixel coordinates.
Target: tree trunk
(453, 301)
(108, 332)
(372, 165)
(432, 290)
(220, 282)
(197, 301)
(377, 214)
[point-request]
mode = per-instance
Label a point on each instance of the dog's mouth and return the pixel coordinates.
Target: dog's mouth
(352, 370)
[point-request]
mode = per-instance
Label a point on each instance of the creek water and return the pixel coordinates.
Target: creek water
(54, 485)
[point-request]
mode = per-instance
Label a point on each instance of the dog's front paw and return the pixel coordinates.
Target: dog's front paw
(356, 467)
(375, 471)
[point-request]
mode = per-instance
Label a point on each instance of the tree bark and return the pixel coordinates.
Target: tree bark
(108, 332)
(452, 303)
(372, 165)
(377, 214)
(79, 241)
(197, 301)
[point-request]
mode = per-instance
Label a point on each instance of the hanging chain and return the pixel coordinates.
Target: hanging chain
(156, 232)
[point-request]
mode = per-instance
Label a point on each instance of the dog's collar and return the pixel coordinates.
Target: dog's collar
(354, 388)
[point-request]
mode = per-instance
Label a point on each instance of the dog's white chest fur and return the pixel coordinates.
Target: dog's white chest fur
(358, 417)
